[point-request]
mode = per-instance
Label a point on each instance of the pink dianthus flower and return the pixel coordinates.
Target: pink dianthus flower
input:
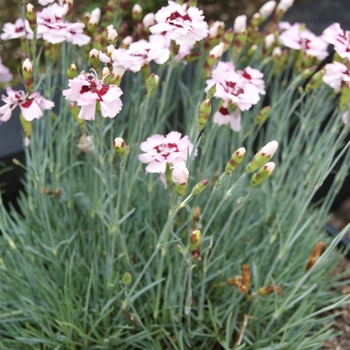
(335, 74)
(31, 106)
(86, 89)
(339, 38)
(298, 37)
(19, 29)
(185, 25)
(160, 150)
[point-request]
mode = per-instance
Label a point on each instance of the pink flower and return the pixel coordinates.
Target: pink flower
(19, 29)
(335, 74)
(5, 74)
(184, 25)
(339, 38)
(86, 89)
(149, 51)
(160, 150)
(31, 106)
(53, 28)
(298, 37)
(236, 87)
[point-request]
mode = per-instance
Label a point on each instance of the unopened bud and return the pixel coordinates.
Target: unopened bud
(197, 189)
(109, 50)
(211, 92)
(179, 248)
(275, 288)
(227, 39)
(94, 58)
(127, 278)
(262, 174)
(179, 176)
(267, 9)
(152, 82)
(148, 20)
(30, 15)
(269, 40)
(203, 114)
(28, 77)
(120, 147)
(240, 24)
(216, 30)
(95, 17)
(126, 42)
(235, 160)
(263, 115)
(195, 239)
(136, 12)
(284, 5)
(72, 71)
(262, 157)
(112, 36)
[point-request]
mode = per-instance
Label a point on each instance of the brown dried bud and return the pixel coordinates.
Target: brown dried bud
(319, 249)
(235, 281)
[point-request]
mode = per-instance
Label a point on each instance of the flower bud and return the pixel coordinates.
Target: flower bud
(240, 24)
(148, 20)
(109, 50)
(211, 92)
(216, 30)
(269, 40)
(28, 77)
(199, 187)
(180, 178)
(94, 59)
(72, 71)
(214, 55)
(195, 240)
(120, 147)
(284, 5)
(267, 9)
(203, 114)
(262, 116)
(95, 17)
(126, 42)
(191, 3)
(112, 36)
(262, 157)
(30, 15)
(275, 288)
(262, 174)
(235, 160)
(152, 82)
(227, 39)
(136, 12)
(127, 278)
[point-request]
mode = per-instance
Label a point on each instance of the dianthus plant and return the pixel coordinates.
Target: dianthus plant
(172, 170)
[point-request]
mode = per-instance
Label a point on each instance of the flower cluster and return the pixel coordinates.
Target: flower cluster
(51, 26)
(238, 90)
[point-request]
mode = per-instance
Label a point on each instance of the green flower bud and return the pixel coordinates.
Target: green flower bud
(152, 82)
(127, 278)
(72, 71)
(235, 160)
(203, 114)
(195, 240)
(263, 115)
(228, 38)
(262, 174)
(136, 12)
(94, 60)
(199, 187)
(262, 157)
(30, 15)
